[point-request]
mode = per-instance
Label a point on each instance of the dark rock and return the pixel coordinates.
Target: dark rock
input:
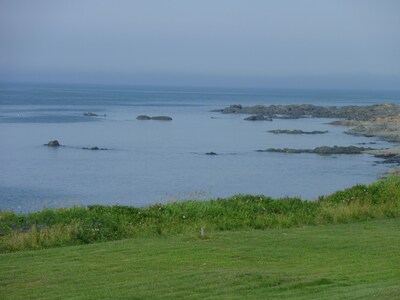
(324, 150)
(54, 143)
(211, 153)
(258, 118)
(90, 114)
(296, 131)
(94, 148)
(143, 117)
(161, 118)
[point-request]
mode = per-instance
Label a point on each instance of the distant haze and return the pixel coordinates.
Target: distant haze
(228, 43)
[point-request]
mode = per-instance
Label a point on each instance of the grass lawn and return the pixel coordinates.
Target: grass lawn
(342, 261)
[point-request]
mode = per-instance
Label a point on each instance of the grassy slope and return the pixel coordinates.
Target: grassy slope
(342, 261)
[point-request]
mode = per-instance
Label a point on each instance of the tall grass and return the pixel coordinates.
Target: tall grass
(80, 225)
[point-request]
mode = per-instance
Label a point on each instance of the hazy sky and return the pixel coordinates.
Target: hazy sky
(260, 43)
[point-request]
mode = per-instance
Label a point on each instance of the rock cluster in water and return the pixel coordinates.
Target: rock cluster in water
(324, 150)
(296, 131)
(389, 133)
(353, 112)
(157, 118)
(55, 143)
(94, 148)
(90, 114)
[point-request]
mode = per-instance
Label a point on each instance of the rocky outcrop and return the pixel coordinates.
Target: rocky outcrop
(258, 118)
(232, 109)
(389, 133)
(354, 112)
(156, 118)
(54, 143)
(143, 117)
(388, 156)
(296, 131)
(324, 150)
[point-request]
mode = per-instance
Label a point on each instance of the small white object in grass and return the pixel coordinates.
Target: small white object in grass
(202, 232)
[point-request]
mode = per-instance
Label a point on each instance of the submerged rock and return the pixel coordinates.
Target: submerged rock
(296, 131)
(54, 143)
(94, 148)
(90, 114)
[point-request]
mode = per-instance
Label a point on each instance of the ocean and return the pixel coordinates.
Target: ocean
(149, 162)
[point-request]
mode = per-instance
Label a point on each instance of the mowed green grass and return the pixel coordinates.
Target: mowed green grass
(338, 261)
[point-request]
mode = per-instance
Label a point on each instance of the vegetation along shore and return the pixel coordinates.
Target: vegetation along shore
(82, 225)
(343, 246)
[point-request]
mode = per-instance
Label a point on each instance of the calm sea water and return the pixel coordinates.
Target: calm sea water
(154, 161)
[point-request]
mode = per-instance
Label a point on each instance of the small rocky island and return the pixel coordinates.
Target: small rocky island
(53, 143)
(296, 131)
(156, 118)
(211, 153)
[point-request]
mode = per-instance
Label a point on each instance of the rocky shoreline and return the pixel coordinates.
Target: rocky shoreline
(378, 120)
(323, 150)
(353, 112)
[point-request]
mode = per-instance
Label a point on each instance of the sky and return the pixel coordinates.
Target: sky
(232, 43)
